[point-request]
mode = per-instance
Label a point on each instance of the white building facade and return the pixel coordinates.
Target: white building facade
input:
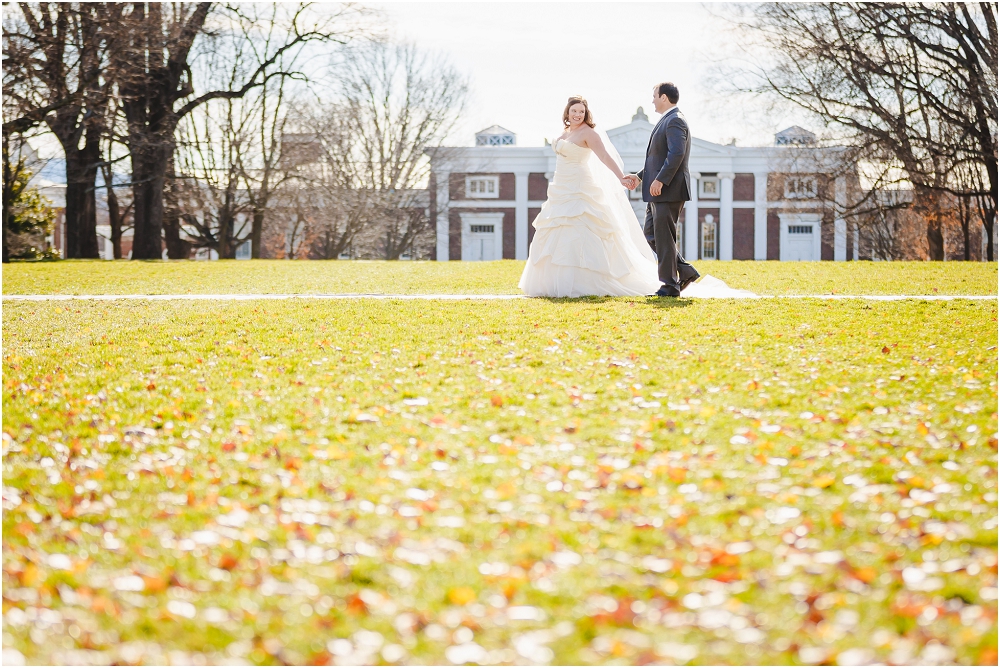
(749, 203)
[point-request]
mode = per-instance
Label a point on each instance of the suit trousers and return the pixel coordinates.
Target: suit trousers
(661, 235)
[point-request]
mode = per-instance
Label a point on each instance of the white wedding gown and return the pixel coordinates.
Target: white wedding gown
(587, 239)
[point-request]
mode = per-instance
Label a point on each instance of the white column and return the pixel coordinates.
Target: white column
(691, 221)
(726, 216)
(760, 215)
(839, 223)
(441, 198)
(521, 215)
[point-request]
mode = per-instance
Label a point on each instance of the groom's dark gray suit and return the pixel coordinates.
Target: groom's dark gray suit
(667, 162)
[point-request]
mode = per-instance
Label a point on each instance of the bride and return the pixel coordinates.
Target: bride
(587, 239)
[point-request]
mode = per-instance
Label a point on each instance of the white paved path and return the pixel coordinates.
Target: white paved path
(253, 297)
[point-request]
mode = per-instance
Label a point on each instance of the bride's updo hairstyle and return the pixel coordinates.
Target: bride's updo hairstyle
(578, 99)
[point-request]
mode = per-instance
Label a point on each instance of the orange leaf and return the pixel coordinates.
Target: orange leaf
(155, 584)
(731, 575)
(506, 490)
(461, 595)
(228, 562)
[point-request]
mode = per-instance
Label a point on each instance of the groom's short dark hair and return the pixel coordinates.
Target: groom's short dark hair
(670, 90)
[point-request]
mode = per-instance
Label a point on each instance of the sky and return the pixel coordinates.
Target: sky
(524, 60)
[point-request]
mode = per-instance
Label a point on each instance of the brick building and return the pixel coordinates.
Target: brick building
(749, 203)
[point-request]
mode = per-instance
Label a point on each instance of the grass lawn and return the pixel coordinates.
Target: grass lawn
(540, 481)
(312, 277)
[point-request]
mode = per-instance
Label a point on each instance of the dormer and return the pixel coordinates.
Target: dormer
(495, 136)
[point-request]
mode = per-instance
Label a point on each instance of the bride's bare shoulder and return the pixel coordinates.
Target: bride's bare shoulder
(590, 136)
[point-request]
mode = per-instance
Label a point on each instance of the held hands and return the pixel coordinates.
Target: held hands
(655, 188)
(630, 181)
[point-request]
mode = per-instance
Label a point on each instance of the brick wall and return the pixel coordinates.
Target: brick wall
(773, 236)
(826, 237)
(532, 214)
(509, 231)
(454, 235)
(743, 188)
(538, 187)
(507, 186)
(742, 234)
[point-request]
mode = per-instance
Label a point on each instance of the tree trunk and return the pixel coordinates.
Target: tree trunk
(114, 221)
(988, 226)
(149, 168)
(926, 204)
(177, 248)
(8, 197)
(256, 232)
(226, 249)
(81, 201)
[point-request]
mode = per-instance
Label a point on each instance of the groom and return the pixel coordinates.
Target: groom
(664, 181)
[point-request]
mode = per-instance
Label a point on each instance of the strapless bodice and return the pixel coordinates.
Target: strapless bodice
(570, 151)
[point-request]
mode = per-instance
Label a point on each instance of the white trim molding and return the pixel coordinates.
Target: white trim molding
(520, 215)
(443, 230)
(691, 221)
(760, 215)
(726, 215)
(839, 223)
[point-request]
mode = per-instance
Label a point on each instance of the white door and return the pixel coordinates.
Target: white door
(481, 238)
(801, 246)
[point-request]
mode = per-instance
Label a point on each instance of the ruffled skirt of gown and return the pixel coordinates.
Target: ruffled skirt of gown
(578, 249)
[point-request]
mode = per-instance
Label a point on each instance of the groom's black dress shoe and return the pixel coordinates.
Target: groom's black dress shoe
(689, 280)
(664, 291)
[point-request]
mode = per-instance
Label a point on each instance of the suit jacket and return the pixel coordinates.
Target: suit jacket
(667, 159)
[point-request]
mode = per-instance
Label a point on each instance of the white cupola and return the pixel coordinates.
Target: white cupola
(495, 136)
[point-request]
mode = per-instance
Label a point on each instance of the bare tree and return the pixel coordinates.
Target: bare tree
(263, 165)
(914, 81)
(66, 48)
(211, 199)
(152, 63)
(392, 103)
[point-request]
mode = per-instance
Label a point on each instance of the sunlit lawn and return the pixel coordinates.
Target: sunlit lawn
(571, 481)
(282, 276)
